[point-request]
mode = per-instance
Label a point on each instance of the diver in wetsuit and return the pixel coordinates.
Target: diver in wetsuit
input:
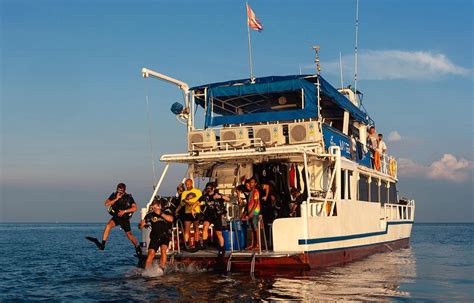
(214, 209)
(161, 223)
(121, 206)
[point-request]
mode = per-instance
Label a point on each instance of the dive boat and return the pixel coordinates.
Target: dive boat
(276, 128)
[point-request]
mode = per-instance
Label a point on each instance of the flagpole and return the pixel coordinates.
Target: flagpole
(252, 79)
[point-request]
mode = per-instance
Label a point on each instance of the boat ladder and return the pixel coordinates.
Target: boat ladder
(241, 256)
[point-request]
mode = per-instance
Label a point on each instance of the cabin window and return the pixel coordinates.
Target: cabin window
(392, 193)
(343, 184)
(383, 192)
(258, 103)
(346, 174)
(374, 190)
(363, 187)
(349, 178)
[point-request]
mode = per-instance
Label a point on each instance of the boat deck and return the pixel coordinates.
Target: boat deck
(212, 253)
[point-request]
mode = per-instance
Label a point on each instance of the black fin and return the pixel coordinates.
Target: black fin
(96, 241)
(141, 262)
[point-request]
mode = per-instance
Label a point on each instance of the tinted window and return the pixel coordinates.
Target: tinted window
(374, 190)
(392, 197)
(343, 184)
(383, 192)
(349, 185)
(363, 188)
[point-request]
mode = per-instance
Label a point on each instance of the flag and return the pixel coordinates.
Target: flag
(252, 20)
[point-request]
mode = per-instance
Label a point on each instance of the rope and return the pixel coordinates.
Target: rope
(150, 133)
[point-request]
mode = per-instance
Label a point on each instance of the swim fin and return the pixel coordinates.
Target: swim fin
(141, 261)
(220, 265)
(96, 241)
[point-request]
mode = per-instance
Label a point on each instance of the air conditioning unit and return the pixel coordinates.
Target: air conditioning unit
(270, 135)
(202, 140)
(234, 137)
(304, 132)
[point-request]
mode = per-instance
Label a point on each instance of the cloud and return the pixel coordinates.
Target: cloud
(447, 168)
(407, 167)
(394, 136)
(397, 64)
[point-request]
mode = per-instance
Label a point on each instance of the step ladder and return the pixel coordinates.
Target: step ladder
(235, 257)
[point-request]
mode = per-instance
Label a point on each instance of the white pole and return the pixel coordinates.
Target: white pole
(158, 185)
(356, 42)
(252, 79)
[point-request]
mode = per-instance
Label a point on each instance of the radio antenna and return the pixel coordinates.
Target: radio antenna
(355, 49)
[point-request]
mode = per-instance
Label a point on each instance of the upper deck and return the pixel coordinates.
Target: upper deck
(277, 116)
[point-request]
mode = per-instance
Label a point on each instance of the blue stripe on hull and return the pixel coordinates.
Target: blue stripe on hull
(349, 237)
(356, 246)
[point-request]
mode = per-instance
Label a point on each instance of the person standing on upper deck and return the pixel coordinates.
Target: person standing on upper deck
(382, 151)
(381, 146)
(372, 138)
(372, 144)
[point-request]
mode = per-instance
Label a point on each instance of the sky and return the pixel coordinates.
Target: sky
(73, 102)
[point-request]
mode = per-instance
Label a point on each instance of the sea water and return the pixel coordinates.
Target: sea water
(53, 262)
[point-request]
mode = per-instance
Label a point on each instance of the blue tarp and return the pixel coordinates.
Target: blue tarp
(332, 137)
(274, 84)
(308, 111)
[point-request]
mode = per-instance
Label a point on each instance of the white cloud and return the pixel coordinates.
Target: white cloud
(450, 168)
(394, 136)
(447, 168)
(397, 64)
(407, 167)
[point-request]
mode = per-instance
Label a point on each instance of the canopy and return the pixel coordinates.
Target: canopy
(240, 101)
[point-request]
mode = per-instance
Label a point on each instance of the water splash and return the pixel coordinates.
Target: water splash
(153, 271)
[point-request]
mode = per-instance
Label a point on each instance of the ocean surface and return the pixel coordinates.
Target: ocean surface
(54, 263)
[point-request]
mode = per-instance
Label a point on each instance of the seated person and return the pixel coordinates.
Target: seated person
(160, 222)
(297, 199)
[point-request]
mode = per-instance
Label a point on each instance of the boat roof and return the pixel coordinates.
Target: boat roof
(273, 84)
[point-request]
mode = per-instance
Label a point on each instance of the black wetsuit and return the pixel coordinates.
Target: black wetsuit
(125, 202)
(213, 209)
(160, 229)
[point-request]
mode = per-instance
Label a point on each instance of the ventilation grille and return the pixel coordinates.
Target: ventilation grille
(264, 135)
(298, 133)
(228, 136)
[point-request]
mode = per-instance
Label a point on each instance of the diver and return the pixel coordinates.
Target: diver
(161, 223)
(121, 206)
(214, 208)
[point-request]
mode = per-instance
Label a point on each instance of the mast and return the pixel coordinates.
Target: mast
(356, 46)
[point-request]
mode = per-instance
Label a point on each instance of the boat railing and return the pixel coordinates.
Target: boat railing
(388, 165)
(236, 144)
(400, 212)
(321, 207)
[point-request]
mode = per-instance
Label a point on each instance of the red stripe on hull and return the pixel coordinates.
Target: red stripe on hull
(303, 261)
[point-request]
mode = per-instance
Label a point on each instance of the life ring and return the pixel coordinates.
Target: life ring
(392, 168)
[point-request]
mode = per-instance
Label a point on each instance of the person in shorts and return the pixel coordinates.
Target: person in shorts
(213, 208)
(192, 212)
(160, 222)
(252, 213)
(121, 206)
